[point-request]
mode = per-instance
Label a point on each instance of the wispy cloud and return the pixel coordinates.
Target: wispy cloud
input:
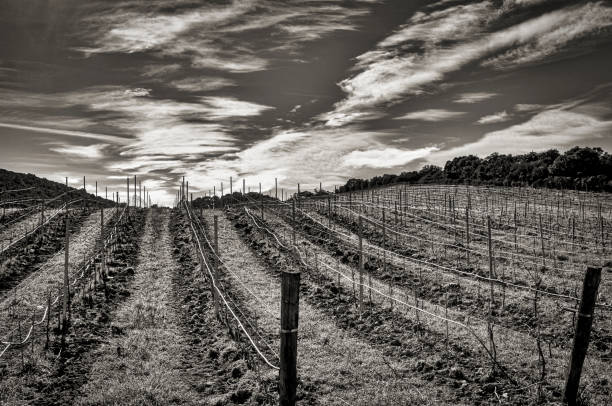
(456, 22)
(528, 107)
(209, 35)
(590, 19)
(201, 84)
(494, 118)
(554, 128)
(388, 75)
(225, 107)
(476, 97)
(385, 158)
(82, 151)
(70, 133)
(287, 153)
(431, 115)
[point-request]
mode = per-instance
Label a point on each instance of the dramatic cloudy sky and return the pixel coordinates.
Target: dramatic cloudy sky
(304, 91)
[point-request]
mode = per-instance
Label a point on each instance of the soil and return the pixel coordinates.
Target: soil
(460, 368)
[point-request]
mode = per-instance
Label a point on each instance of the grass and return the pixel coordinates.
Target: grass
(140, 363)
(345, 369)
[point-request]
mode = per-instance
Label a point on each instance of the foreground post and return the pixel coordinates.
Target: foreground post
(582, 333)
(290, 298)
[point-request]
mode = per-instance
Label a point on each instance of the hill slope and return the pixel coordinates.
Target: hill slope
(23, 186)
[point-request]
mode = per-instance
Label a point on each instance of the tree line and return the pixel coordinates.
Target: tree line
(580, 168)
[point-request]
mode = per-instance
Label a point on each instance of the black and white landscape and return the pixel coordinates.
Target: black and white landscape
(326, 202)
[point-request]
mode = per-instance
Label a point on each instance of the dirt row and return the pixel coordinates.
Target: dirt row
(19, 263)
(462, 371)
(232, 374)
(48, 374)
(555, 322)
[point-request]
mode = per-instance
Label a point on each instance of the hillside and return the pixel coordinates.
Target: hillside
(12, 185)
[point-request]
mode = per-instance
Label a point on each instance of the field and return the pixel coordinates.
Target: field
(407, 295)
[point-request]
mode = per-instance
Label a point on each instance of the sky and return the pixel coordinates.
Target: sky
(301, 91)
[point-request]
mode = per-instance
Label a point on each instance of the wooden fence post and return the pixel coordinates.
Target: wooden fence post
(467, 235)
(293, 222)
(216, 225)
(48, 317)
(491, 272)
(582, 333)
(329, 210)
(128, 194)
(290, 298)
(66, 291)
(215, 262)
(360, 265)
(103, 253)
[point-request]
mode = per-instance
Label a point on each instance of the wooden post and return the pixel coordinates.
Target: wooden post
(261, 202)
(293, 219)
(467, 235)
(384, 246)
(128, 193)
(542, 243)
(290, 297)
(103, 253)
(66, 291)
(360, 265)
(48, 317)
(490, 244)
(329, 211)
(276, 188)
(216, 226)
(582, 333)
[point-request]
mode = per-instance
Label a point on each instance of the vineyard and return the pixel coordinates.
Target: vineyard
(401, 294)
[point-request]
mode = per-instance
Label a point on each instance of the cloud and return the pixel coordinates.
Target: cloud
(385, 158)
(285, 155)
(528, 107)
(431, 115)
(455, 23)
(554, 128)
(88, 151)
(213, 36)
(590, 19)
(388, 75)
(160, 70)
(477, 97)
(225, 107)
(70, 133)
(201, 84)
(494, 118)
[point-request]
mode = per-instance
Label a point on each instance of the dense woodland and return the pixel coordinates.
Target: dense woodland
(579, 168)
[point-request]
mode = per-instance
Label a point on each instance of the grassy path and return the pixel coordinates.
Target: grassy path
(31, 293)
(140, 363)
